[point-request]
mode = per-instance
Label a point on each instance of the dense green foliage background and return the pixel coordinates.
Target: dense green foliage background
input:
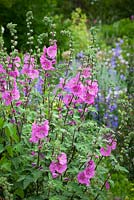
(97, 11)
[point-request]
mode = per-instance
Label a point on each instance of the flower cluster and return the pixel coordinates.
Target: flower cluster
(107, 151)
(109, 115)
(78, 91)
(59, 166)
(84, 176)
(8, 88)
(39, 131)
(47, 59)
(28, 67)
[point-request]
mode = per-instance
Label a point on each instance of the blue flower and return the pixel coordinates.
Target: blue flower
(80, 55)
(38, 85)
(122, 77)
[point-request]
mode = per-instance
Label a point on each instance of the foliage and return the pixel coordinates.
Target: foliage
(125, 105)
(79, 31)
(125, 188)
(96, 11)
(118, 29)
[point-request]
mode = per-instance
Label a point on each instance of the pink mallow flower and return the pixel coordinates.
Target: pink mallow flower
(52, 51)
(58, 167)
(61, 168)
(13, 61)
(91, 164)
(67, 99)
(47, 59)
(74, 86)
(107, 185)
(83, 178)
(6, 96)
(105, 151)
(113, 145)
(88, 173)
(15, 92)
(14, 73)
(18, 103)
(39, 131)
(86, 72)
(2, 70)
(28, 68)
(88, 97)
(46, 64)
(9, 96)
(62, 158)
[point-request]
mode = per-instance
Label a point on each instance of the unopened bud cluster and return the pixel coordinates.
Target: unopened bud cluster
(30, 38)
(13, 32)
(6, 188)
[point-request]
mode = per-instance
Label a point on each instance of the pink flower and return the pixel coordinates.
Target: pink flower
(28, 67)
(29, 60)
(61, 168)
(17, 61)
(55, 175)
(67, 99)
(52, 167)
(46, 64)
(114, 143)
(61, 83)
(107, 185)
(13, 61)
(88, 98)
(86, 72)
(15, 92)
(6, 96)
(96, 156)
(33, 153)
(83, 179)
(92, 87)
(14, 73)
(91, 165)
(77, 89)
(2, 70)
(33, 73)
(18, 103)
(105, 152)
(2, 83)
(52, 51)
(74, 86)
(47, 59)
(89, 172)
(10, 95)
(39, 131)
(72, 122)
(62, 158)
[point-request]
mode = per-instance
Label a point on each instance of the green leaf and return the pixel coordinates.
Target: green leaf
(1, 148)
(120, 168)
(5, 164)
(36, 174)
(57, 197)
(20, 192)
(1, 122)
(10, 150)
(10, 131)
(28, 179)
(21, 178)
